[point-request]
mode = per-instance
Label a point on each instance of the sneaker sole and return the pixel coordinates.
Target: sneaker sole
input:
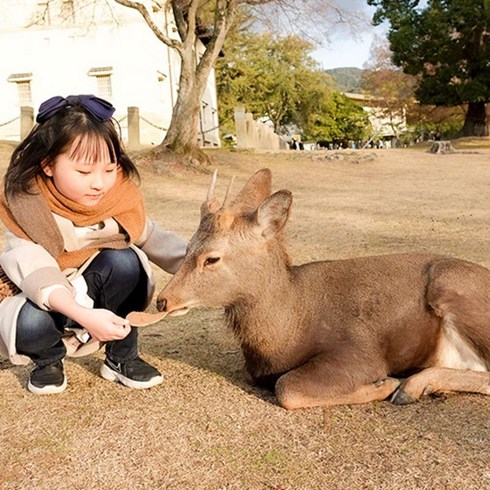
(107, 373)
(47, 390)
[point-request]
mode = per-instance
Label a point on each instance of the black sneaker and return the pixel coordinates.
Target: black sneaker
(135, 373)
(46, 380)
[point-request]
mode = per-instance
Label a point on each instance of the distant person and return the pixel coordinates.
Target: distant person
(78, 247)
(296, 143)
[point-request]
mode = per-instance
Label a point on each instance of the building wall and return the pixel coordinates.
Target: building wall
(62, 57)
(382, 120)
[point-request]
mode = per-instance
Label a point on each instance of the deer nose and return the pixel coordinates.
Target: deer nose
(161, 304)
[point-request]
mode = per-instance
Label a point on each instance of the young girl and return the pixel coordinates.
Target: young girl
(78, 244)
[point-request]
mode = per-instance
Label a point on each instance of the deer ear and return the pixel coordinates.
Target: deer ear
(253, 193)
(273, 213)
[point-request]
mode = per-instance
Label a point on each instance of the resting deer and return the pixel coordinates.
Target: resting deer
(334, 332)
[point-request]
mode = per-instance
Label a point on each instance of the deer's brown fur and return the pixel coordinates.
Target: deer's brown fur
(334, 332)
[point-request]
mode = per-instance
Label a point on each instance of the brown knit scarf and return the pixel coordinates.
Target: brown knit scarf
(29, 216)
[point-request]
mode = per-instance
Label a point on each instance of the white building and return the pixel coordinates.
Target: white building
(70, 47)
(387, 124)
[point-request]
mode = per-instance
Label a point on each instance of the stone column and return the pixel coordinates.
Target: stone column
(133, 128)
(26, 121)
(251, 130)
(241, 128)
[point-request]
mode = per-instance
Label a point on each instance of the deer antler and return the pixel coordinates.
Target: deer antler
(211, 204)
(227, 195)
(212, 185)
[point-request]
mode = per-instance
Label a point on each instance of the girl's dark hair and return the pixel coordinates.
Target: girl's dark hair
(56, 135)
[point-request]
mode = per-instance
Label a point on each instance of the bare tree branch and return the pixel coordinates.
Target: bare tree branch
(109, 7)
(223, 19)
(312, 20)
(173, 43)
(178, 10)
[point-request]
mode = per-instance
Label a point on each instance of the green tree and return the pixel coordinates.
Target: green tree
(336, 118)
(446, 44)
(270, 76)
(436, 121)
(278, 79)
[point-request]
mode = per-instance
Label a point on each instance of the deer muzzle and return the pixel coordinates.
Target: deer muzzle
(164, 306)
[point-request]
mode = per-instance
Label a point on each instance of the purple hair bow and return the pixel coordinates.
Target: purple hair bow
(100, 109)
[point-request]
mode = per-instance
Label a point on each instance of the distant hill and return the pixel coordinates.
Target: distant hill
(346, 79)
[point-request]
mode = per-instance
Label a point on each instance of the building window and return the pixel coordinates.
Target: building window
(68, 12)
(103, 78)
(23, 81)
(24, 90)
(104, 86)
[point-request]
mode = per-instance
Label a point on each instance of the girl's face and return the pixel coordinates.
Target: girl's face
(84, 173)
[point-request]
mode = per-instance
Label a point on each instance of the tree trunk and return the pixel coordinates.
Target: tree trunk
(442, 147)
(180, 144)
(182, 132)
(476, 121)
(181, 140)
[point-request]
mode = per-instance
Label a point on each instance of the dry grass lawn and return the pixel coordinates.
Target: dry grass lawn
(204, 428)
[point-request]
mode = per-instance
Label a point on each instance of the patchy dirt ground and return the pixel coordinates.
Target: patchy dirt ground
(204, 428)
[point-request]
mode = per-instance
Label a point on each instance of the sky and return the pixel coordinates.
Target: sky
(345, 52)
(345, 48)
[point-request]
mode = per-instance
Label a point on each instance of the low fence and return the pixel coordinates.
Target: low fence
(26, 120)
(252, 134)
(132, 120)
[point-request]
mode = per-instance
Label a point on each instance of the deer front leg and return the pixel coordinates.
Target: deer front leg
(317, 385)
(434, 380)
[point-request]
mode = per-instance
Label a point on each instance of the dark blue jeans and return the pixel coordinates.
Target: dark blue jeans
(116, 281)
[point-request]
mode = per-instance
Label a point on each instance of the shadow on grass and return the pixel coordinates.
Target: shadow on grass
(200, 339)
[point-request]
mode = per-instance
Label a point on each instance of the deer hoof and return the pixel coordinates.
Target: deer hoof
(401, 397)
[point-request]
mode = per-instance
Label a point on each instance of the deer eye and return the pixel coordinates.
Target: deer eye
(211, 260)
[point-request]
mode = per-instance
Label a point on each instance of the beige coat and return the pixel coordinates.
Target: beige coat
(33, 269)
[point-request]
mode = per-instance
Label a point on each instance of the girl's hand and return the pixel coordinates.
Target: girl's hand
(104, 325)
(101, 324)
